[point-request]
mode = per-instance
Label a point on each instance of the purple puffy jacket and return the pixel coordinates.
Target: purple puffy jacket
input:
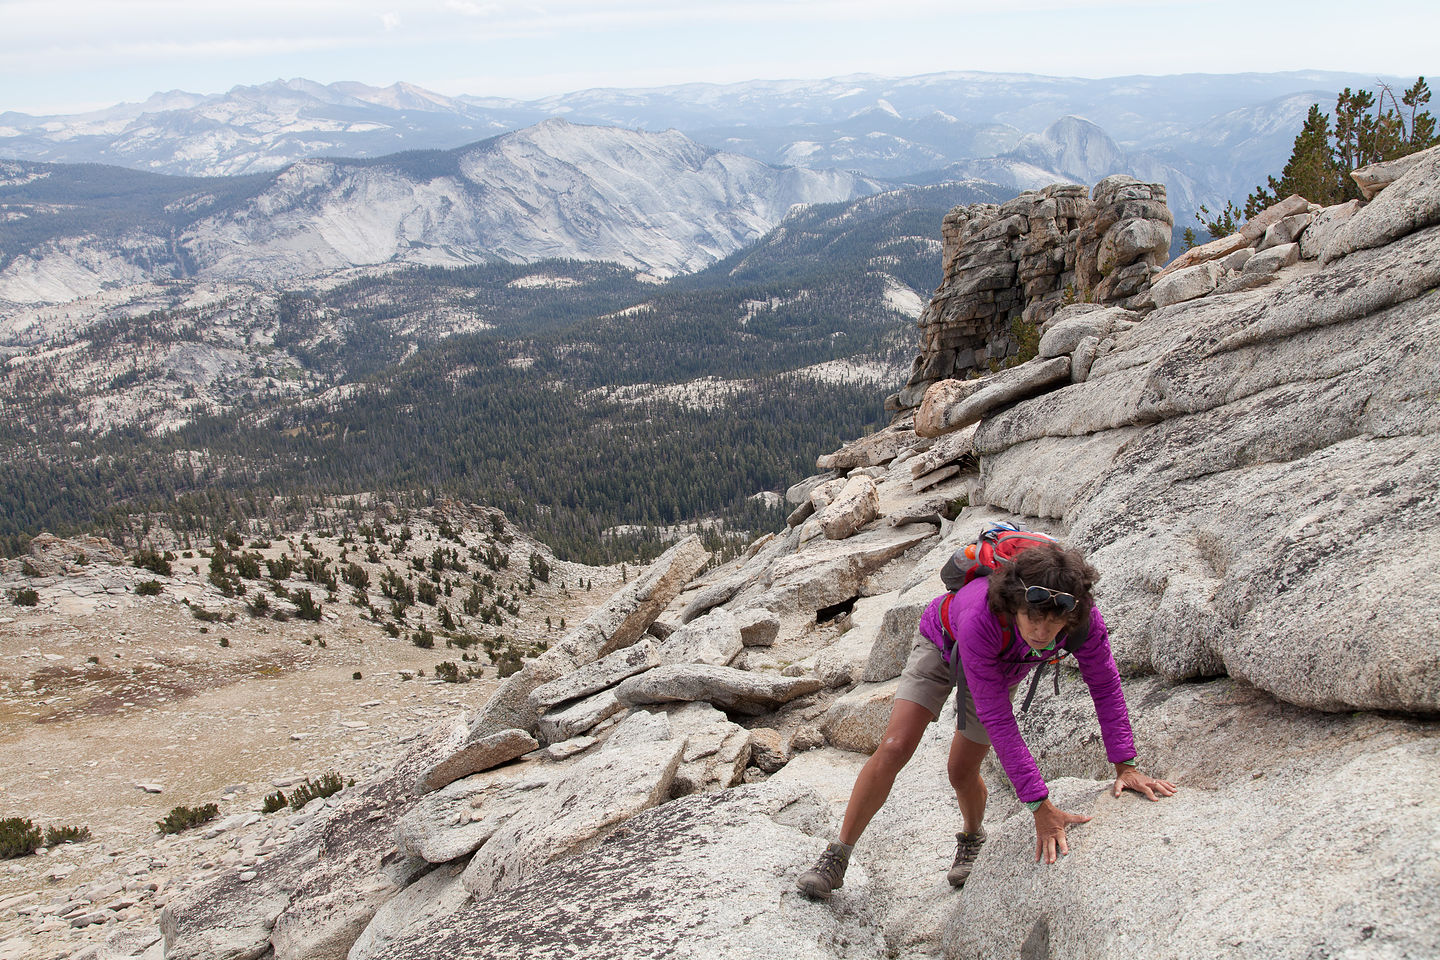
(992, 668)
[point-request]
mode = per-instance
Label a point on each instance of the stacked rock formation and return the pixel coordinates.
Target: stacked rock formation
(1020, 261)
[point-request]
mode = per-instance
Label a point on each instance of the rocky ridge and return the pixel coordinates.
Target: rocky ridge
(656, 202)
(1241, 464)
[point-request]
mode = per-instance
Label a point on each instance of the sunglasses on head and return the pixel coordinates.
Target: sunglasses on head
(1036, 596)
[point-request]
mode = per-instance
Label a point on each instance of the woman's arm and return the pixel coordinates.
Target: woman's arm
(1098, 670)
(981, 642)
(1097, 667)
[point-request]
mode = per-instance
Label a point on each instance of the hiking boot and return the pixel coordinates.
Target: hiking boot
(967, 848)
(828, 874)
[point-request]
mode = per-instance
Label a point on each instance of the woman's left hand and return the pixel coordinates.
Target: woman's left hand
(1127, 777)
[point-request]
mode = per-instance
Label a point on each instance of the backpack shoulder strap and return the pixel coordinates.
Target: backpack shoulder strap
(945, 618)
(1074, 640)
(1007, 635)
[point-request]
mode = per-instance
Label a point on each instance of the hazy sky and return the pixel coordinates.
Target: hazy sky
(68, 55)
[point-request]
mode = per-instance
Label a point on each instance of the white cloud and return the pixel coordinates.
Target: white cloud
(469, 8)
(390, 21)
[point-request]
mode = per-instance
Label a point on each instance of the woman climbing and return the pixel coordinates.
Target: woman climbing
(1029, 611)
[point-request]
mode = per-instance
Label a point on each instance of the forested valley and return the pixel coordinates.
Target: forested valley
(595, 408)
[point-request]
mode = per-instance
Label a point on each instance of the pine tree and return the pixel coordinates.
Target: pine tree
(1365, 131)
(1422, 124)
(1311, 172)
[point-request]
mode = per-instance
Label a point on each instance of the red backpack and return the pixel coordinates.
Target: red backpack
(998, 544)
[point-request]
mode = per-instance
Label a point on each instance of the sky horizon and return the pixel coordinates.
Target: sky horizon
(70, 56)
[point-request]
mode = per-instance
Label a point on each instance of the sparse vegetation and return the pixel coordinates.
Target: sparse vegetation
(1026, 338)
(509, 655)
(19, 837)
(356, 576)
(327, 785)
(211, 616)
(23, 596)
(280, 568)
(1221, 224)
(451, 672)
(1365, 130)
(225, 579)
(305, 606)
(54, 836)
(318, 571)
(247, 565)
(148, 588)
(184, 818)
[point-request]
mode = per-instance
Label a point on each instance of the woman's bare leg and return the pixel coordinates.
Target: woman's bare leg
(964, 770)
(902, 735)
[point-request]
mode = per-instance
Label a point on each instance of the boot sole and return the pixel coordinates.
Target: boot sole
(816, 893)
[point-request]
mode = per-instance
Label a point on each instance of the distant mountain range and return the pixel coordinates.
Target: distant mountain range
(657, 202)
(254, 187)
(1210, 137)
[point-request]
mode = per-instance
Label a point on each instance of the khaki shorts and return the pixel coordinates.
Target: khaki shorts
(926, 681)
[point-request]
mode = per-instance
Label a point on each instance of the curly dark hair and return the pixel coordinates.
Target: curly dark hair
(1044, 566)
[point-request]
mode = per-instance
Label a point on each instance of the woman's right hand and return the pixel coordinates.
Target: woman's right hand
(1050, 824)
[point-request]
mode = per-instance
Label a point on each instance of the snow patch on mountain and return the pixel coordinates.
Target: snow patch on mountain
(750, 308)
(800, 151)
(538, 280)
(14, 175)
(706, 393)
(1005, 171)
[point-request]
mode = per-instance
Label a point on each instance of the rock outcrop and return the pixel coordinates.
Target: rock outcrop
(1249, 458)
(1016, 263)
